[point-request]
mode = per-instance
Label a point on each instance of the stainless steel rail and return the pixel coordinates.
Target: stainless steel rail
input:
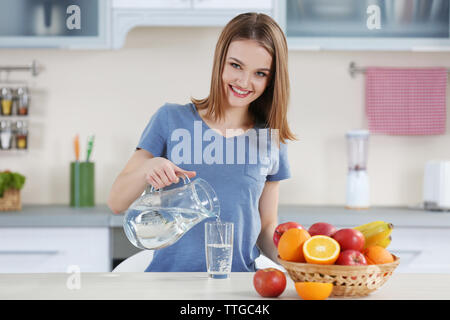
(353, 69)
(34, 68)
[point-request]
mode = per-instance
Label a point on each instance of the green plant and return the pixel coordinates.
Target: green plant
(10, 180)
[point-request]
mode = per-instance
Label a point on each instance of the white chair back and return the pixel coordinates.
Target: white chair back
(140, 261)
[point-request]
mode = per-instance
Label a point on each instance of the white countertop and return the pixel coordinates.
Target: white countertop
(192, 286)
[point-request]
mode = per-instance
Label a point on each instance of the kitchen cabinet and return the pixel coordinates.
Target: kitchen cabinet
(31, 250)
(232, 4)
(104, 24)
(54, 24)
(153, 4)
(422, 250)
(365, 25)
(40, 235)
(194, 4)
(129, 14)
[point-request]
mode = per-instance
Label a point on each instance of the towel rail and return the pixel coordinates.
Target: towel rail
(353, 69)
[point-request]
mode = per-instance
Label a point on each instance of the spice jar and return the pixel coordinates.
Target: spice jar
(5, 135)
(21, 135)
(6, 102)
(15, 103)
(23, 101)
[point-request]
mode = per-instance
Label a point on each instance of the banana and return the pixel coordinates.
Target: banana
(385, 242)
(363, 228)
(375, 232)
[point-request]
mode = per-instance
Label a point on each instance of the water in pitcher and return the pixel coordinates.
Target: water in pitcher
(157, 227)
(158, 218)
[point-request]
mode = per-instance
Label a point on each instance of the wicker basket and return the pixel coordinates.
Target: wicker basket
(348, 281)
(10, 200)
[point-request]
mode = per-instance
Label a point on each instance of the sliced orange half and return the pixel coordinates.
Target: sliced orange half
(321, 250)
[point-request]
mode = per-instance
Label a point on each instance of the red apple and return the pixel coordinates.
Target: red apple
(322, 228)
(349, 239)
(282, 229)
(269, 282)
(351, 258)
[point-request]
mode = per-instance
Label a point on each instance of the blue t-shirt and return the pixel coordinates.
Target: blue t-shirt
(237, 174)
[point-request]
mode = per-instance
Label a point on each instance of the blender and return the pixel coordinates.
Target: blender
(357, 196)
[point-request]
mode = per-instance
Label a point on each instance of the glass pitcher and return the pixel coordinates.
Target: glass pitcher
(158, 218)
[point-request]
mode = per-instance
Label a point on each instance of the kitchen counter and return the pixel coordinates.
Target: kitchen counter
(192, 286)
(409, 217)
(419, 238)
(57, 216)
(101, 216)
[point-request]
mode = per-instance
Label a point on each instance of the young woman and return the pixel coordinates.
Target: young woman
(248, 102)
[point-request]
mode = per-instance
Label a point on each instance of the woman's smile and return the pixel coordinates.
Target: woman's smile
(239, 92)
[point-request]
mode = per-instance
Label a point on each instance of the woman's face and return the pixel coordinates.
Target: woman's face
(246, 72)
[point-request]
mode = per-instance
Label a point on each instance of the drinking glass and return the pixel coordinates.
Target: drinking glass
(219, 248)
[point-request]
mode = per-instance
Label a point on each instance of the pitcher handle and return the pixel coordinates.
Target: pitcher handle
(152, 189)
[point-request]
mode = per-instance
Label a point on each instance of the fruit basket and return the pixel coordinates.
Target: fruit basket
(348, 281)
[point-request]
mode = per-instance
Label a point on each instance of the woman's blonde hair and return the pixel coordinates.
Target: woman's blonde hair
(271, 107)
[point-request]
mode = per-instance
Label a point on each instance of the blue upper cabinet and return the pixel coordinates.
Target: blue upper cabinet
(418, 25)
(54, 24)
(104, 24)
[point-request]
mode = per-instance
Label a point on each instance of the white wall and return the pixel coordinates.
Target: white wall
(114, 93)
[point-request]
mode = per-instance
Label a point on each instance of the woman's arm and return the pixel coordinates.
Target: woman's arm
(131, 181)
(142, 169)
(268, 211)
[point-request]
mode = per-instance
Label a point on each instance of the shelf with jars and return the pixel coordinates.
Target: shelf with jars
(14, 107)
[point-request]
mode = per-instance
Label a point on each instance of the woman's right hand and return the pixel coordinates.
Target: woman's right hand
(163, 172)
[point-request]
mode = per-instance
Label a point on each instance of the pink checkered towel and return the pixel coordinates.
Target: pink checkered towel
(406, 101)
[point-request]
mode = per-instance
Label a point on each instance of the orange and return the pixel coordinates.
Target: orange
(313, 290)
(321, 249)
(377, 255)
(290, 246)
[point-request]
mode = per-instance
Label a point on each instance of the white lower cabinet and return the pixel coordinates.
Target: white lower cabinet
(57, 249)
(421, 250)
(30, 250)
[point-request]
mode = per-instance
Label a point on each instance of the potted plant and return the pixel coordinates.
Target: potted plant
(10, 185)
